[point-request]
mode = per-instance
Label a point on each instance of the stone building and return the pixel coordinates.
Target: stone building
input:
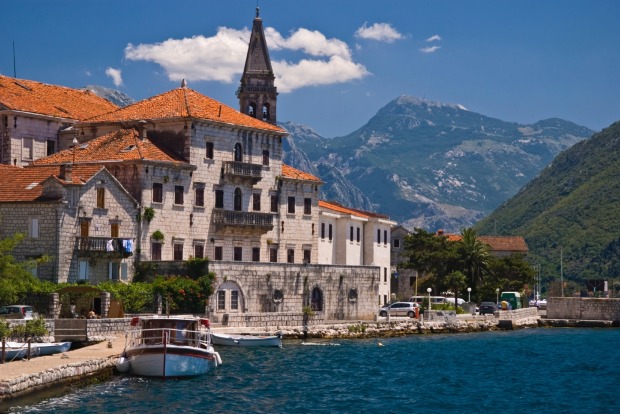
(79, 216)
(33, 115)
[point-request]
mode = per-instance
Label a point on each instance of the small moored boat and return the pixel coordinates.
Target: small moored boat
(168, 347)
(246, 340)
(18, 350)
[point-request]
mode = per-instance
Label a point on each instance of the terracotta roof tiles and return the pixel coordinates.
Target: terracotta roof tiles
(184, 103)
(294, 173)
(120, 145)
(20, 184)
(51, 100)
(346, 210)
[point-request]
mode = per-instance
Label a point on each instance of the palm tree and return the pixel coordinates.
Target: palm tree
(475, 256)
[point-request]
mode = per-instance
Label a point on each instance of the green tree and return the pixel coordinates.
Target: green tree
(15, 280)
(475, 257)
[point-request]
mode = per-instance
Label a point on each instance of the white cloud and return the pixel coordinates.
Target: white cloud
(115, 74)
(434, 38)
(221, 58)
(430, 49)
(381, 32)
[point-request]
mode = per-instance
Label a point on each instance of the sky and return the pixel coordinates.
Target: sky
(337, 62)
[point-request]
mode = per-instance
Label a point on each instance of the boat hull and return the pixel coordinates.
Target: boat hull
(170, 361)
(245, 340)
(41, 348)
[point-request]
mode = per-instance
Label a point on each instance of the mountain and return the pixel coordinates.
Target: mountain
(114, 96)
(430, 164)
(570, 211)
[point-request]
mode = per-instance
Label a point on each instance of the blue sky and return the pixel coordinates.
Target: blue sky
(337, 61)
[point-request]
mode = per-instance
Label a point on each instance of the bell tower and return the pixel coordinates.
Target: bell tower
(257, 93)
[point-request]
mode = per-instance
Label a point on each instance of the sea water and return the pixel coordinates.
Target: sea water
(557, 370)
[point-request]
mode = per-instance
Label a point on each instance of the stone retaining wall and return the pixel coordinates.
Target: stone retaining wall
(272, 320)
(584, 309)
(518, 318)
(104, 329)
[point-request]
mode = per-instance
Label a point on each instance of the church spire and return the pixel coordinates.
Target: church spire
(257, 93)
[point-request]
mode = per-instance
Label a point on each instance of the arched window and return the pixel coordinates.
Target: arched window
(237, 200)
(317, 299)
(252, 109)
(238, 152)
(266, 114)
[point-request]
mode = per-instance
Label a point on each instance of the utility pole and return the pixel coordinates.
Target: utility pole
(562, 270)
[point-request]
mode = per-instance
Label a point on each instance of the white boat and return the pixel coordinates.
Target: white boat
(246, 340)
(11, 353)
(168, 347)
(20, 349)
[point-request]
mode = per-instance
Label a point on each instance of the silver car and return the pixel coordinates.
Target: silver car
(16, 312)
(399, 309)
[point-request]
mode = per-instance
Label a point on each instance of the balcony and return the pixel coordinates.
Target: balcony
(228, 218)
(243, 170)
(108, 247)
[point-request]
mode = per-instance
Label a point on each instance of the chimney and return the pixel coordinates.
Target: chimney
(142, 128)
(65, 172)
(440, 232)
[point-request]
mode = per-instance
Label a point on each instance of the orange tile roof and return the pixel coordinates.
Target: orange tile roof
(120, 145)
(57, 101)
(355, 212)
(184, 103)
(496, 243)
(295, 174)
(19, 184)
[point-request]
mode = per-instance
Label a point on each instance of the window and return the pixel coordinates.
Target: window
(101, 198)
(234, 299)
(265, 157)
(385, 274)
(359, 238)
(290, 255)
(117, 271)
(199, 251)
(114, 230)
(158, 193)
(351, 233)
(237, 201)
(27, 151)
(178, 194)
(322, 230)
(155, 251)
(238, 254)
(221, 299)
(256, 202)
(83, 270)
(307, 206)
(84, 228)
(238, 153)
(396, 243)
(256, 254)
(51, 147)
(273, 254)
(33, 228)
(177, 251)
(219, 198)
(291, 205)
(274, 203)
(330, 232)
(218, 253)
(384, 236)
(307, 254)
(199, 194)
(378, 236)
(209, 153)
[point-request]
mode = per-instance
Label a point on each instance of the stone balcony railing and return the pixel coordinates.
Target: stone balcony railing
(243, 170)
(104, 246)
(241, 218)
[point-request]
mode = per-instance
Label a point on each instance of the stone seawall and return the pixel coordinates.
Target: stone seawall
(596, 309)
(271, 320)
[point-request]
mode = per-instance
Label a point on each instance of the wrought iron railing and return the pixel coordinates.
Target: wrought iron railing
(110, 245)
(241, 218)
(243, 169)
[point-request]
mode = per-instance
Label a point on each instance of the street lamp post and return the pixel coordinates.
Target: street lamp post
(468, 294)
(429, 290)
(496, 295)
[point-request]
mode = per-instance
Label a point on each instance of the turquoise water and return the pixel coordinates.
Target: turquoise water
(533, 370)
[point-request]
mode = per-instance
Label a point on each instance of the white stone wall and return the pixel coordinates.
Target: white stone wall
(327, 246)
(605, 309)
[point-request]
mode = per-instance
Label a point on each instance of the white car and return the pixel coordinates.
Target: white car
(16, 312)
(399, 309)
(540, 304)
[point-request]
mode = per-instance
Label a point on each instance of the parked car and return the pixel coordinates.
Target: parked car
(487, 308)
(400, 309)
(16, 312)
(540, 304)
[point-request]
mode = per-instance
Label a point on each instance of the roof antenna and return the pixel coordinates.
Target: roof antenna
(14, 69)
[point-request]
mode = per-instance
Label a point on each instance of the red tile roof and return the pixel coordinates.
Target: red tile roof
(19, 184)
(57, 101)
(120, 145)
(496, 243)
(355, 212)
(184, 103)
(295, 174)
